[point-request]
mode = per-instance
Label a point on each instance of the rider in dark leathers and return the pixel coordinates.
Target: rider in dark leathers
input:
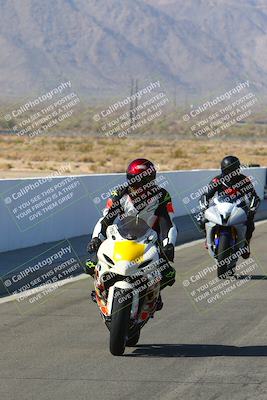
(233, 183)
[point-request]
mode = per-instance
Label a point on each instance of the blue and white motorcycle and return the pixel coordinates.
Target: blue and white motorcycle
(226, 226)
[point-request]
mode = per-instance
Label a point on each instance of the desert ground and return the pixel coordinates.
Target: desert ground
(45, 155)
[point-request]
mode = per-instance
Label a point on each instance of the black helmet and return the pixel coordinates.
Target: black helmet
(230, 164)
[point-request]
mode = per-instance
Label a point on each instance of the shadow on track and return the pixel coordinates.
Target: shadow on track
(252, 277)
(196, 350)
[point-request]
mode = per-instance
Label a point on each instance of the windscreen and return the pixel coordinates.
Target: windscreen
(132, 228)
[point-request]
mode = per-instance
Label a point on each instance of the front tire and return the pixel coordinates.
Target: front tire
(120, 320)
(133, 340)
(224, 253)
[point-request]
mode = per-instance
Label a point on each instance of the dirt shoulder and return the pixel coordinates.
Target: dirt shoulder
(82, 155)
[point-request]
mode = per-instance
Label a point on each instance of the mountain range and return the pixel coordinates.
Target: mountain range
(194, 47)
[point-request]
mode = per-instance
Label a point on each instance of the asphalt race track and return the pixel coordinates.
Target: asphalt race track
(59, 350)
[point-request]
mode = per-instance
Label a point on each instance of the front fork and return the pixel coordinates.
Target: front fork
(123, 286)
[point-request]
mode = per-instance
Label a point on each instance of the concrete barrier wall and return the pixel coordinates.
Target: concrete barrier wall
(42, 210)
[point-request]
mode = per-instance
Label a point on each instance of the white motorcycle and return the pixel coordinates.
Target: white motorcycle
(127, 280)
(226, 231)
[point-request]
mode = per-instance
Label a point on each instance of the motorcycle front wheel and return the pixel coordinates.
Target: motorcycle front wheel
(133, 340)
(224, 255)
(120, 321)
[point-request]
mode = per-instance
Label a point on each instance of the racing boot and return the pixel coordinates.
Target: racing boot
(168, 272)
(93, 296)
(159, 304)
(89, 267)
(168, 277)
(246, 253)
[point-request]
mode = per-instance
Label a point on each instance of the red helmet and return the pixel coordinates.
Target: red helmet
(140, 172)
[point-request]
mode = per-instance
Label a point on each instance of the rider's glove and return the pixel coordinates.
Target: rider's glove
(93, 245)
(168, 251)
(203, 203)
(202, 207)
(201, 220)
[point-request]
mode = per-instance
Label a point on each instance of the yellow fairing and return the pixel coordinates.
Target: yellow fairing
(128, 251)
